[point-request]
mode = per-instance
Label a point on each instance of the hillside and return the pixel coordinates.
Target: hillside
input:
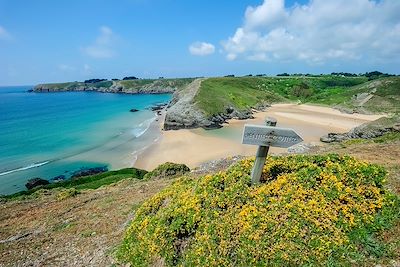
(53, 227)
(217, 99)
(137, 86)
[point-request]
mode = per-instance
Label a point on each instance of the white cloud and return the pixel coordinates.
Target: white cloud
(201, 49)
(103, 46)
(317, 32)
(4, 35)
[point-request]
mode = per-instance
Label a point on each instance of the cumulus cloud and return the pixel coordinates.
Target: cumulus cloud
(201, 49)
(4, 35)
(317, 32)
(103, 45)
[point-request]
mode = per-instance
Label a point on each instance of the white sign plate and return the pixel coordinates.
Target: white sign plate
(269, 136)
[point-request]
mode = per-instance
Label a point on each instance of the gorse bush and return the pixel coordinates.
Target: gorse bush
(310, 210)
(167, 170)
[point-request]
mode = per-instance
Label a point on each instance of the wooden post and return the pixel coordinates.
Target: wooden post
(261, 156)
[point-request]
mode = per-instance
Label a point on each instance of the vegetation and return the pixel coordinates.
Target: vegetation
(309, 210)
(167, 170)
(217, 94)
(87, 182)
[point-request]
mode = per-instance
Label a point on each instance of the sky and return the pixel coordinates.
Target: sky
(54, 41)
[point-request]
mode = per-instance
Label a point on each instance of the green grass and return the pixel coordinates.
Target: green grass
(167, 170)
(217, 94)
(137, 84)
(87, 182)
(242, 93)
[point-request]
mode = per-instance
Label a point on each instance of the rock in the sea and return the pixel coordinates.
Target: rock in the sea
(158, 107)
(35, 182)
(89, 171)
(133, 110)
(58, 178)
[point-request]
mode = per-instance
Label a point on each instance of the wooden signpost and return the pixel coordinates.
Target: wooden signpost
(264, 137)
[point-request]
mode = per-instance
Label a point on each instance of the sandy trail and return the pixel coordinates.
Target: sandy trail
(194, 147)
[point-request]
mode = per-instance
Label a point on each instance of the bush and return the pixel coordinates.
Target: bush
(168, 170)
(309, 211)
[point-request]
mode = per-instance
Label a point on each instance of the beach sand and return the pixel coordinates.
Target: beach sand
(193, 147)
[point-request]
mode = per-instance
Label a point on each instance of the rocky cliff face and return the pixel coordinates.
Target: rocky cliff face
(368, 130)
(124, 87)
(182, 112)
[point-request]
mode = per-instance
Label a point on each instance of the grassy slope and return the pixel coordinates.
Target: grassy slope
(88, 182)
(137, 84)
(216, 94)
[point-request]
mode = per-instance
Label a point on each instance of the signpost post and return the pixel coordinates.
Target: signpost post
(264, 137)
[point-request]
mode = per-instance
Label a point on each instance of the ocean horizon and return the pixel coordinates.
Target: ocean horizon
(50, 134)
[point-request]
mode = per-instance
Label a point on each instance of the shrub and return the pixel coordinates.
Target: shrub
(308, 211)
(168, 170)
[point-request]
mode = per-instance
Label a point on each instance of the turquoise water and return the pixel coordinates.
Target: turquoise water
(49, 134)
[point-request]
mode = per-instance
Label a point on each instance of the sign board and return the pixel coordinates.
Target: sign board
(269, 136)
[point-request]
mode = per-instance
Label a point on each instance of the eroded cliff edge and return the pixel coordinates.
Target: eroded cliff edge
(138, 86)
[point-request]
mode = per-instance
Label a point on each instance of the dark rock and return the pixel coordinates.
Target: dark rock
(58, 178)
(366, 131)
(35, 182)
(30, 91)
(229, 110)
(89, 171)
(158, 107)
(133, 110)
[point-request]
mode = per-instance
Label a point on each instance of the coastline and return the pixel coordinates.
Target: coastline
(196, 146)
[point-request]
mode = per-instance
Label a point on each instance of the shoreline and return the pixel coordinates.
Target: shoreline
(196, 146)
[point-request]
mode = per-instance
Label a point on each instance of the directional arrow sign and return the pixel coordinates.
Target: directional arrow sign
(269, 136)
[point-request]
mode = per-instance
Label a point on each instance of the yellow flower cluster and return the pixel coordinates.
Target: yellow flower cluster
(301, 214)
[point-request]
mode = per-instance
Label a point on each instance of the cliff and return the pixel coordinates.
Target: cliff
(139, 86)
(208, 103)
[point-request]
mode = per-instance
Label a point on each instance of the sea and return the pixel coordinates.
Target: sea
(50, 134)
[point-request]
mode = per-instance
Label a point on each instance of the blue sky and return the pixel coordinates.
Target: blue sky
(52, 41)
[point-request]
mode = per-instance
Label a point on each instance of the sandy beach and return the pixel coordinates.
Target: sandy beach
(193, 147)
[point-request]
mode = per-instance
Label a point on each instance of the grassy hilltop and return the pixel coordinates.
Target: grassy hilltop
(216, 94)
(209, 102)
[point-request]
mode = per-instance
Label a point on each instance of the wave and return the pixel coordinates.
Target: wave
(140, 130)
(34, 165)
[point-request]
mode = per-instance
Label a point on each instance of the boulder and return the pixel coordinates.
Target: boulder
(89, 171)
(58, 178)
(35, 182)
(133, 110)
